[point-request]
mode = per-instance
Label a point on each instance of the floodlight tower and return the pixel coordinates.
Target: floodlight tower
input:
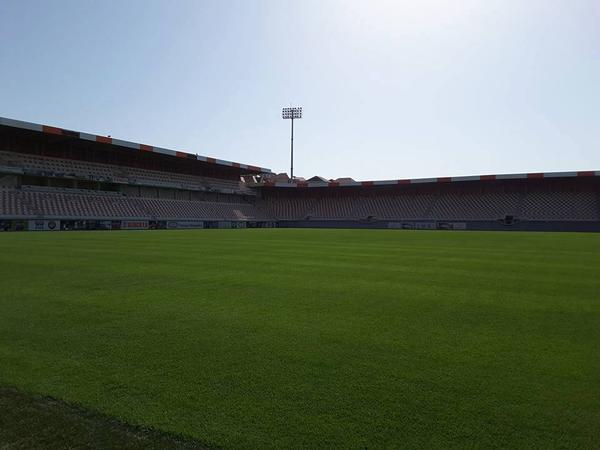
(292, 113)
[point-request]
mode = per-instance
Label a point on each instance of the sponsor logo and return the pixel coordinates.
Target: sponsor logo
(134, 225)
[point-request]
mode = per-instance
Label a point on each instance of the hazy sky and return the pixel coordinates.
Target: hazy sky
(390, 89)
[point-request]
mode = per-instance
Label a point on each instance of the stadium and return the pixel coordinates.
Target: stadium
(57, 179)
(255, 331)
(188, 261)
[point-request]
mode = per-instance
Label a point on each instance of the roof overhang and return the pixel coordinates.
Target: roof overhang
(109, 141)
(515, 176)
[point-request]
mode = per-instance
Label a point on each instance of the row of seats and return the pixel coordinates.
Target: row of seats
(287, 209)
(69, 190)
(28, 202)
(561, 206)
(111, 173)
(444, 206)
(39, 201)
(13, 205)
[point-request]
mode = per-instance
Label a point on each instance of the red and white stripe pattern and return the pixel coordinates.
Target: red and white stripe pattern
(149, 148)
(121, 143)
(514, 176)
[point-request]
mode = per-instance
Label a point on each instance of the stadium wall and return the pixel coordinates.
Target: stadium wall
(469, 225)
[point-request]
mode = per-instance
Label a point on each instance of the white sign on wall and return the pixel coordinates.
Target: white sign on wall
(44, 225)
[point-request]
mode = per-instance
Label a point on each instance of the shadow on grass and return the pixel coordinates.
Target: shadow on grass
(36, 422)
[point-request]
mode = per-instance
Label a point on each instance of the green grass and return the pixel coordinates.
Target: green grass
(312, 338)
(36, 422)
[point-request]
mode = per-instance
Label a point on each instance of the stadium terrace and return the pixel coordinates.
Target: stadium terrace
(57, 179)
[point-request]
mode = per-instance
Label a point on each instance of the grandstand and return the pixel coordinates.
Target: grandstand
(51, 178)
(569, 201)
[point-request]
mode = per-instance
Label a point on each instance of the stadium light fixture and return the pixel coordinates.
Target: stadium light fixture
(291, 114)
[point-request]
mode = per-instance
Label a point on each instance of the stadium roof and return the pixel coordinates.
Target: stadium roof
(315, 182)
(350, 183)
(12, 123)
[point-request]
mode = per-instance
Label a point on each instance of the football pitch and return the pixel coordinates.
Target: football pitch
(308, 338)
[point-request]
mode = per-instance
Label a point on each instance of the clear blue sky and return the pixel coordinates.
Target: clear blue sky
(390, 89)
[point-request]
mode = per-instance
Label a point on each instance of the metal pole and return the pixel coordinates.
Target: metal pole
(291, 113)
(292, 153)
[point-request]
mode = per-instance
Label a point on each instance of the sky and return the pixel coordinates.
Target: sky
(389, 89)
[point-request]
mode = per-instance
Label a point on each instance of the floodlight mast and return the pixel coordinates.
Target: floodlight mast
(292, 113)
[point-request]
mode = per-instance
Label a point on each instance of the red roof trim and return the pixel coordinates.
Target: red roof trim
(181, 154)
(535, 175)
(104, 139)
(51, 130)
(212, 161)
(146, 148)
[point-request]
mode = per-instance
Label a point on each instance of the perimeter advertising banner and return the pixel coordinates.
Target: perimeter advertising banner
(134, 225)
(186, 224)
(452, 226)
(428, 225)
(412, 225)
(44, 225)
